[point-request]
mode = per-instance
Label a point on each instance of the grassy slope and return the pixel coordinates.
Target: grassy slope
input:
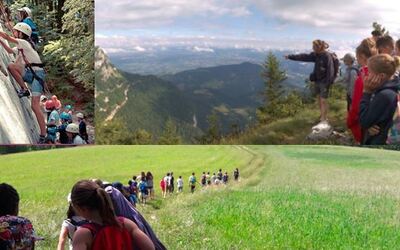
(305, 197)
(288, 196)
(44, 178)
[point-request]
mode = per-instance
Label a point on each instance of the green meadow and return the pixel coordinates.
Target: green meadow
(288, 197)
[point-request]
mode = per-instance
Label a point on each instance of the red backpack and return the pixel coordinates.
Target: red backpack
(110, 237)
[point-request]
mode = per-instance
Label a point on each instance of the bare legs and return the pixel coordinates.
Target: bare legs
(39, 115)
(323, 106)
(15, 71)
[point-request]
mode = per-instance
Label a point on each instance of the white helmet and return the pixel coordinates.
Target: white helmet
(27, 10)
(43, 98)
(79, 115)
(72, 128)
(24, 28)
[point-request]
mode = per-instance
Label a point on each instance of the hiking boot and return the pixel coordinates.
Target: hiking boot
(42, 139)
(23, 92)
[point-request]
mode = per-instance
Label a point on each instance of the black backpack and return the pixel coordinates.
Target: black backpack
(336, 64)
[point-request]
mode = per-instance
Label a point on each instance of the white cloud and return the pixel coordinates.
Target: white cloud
(125, 14)
(199, 49)
(354, 16)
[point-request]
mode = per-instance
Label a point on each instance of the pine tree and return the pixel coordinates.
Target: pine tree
(170, 135)
(273, 77)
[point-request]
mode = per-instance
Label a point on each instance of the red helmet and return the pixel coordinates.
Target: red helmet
(49, 104)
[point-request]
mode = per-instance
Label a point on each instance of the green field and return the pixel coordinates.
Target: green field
(289, 197)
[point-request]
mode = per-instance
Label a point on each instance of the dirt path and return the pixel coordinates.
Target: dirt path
(118, 107)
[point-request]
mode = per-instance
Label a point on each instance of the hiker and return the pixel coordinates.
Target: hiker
(376, 34)
(105, 230)
(150, 184)
(73, 134)
(26, 17)
(385, 45)
(167, 180)
(163, 187)
(133, 197)
(57, 102)
(179, 184)
(208, 179)
(236, 174)
(29, 69)
(124, 208)
(379, 100)
(172, 183)
(42, 103)
(323, 75)
(364, 51)
(219, 175)
(63, 136)
(225, 178)
(15, 232)
(142, 185)
(52, 123)
(69, 226)
(213, 178)
(67, 112)
(203, 180)
(192, 182)
(349, 77)
(82, 127)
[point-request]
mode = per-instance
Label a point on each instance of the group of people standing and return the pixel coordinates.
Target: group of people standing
(167, 182)
(372, 86)
(60, 125)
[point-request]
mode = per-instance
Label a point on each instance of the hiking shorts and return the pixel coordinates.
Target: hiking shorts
(36, 87)
(322, 89)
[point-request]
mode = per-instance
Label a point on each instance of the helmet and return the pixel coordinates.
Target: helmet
(24, 28)
(72, 128)
(68, 106)
(43, 98)
(49, 104)
(27, 10)
(64, 116)
(79, 115)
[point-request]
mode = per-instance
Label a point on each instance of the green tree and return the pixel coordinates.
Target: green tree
(213, 134)
(273, 77)
(112, 132)
(141, 137)
(170, 134)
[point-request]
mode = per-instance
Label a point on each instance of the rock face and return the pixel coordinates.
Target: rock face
(18, 123)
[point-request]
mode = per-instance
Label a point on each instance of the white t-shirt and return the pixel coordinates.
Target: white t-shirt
(31, 55)
(78, 140)
(179, 183)
(167, 180)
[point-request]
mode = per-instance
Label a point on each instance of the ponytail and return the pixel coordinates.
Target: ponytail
(88, 194)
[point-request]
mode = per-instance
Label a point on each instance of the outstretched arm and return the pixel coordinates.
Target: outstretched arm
(6, 47)
(7, 37)
(302, 57)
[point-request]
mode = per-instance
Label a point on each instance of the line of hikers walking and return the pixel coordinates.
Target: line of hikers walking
(28, 68)
(372, 86)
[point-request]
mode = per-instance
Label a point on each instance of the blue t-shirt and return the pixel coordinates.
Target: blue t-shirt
(54, 116)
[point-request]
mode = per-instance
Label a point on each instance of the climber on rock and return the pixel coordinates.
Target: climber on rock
(29, 68)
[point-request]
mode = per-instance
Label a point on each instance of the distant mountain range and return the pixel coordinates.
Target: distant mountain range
(187, 97)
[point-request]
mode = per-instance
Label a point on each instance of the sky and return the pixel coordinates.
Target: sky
(140, 25)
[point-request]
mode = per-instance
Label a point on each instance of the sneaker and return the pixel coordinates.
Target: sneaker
(42, 139)
(23, 92)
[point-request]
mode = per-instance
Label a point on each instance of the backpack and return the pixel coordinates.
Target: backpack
(192, 180)
(143, 187)
(110, 237)
(336, 64)
(74, 224)
(394, 131)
